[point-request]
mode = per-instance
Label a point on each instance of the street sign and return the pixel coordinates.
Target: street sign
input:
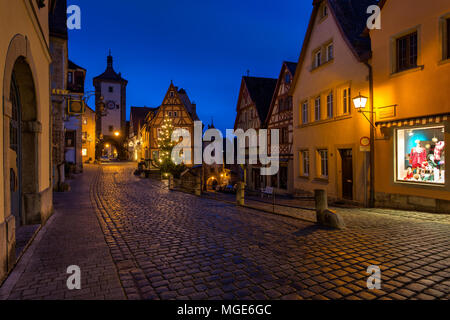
(364, 144)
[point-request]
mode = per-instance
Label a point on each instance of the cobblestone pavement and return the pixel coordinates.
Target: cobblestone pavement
(72, 236)
(172, 245)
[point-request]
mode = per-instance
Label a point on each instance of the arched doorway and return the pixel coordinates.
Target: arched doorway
(22, 147)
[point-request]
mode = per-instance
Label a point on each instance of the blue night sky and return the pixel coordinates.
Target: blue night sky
(204, 46)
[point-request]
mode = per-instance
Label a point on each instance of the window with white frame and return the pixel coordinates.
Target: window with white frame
(406, 52)
(323, 163)
(346, 100)
(317, 109)
(330, 52)
(304, 163)
(317, 58)
(305, 112)
(330, 105)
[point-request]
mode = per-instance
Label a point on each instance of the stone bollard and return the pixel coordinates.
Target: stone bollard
(171, 182)
(320, 197)
(240, 193)
(198, 186)
(324, 215)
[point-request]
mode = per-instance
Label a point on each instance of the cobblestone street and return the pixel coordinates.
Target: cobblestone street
(162, 244)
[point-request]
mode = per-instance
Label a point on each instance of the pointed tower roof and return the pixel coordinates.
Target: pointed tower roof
(109, 73)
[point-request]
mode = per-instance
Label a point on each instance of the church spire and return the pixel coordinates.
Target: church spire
(109, 60)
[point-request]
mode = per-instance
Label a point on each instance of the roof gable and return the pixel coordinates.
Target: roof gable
(261, 92)
(175, 97)
(350, 17)
(286, 66)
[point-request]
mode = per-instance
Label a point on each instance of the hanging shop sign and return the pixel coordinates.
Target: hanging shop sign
(75, 106)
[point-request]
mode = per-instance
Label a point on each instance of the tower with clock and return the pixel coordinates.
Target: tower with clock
(110, 87)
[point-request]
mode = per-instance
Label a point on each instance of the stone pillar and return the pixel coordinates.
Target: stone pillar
(198, 186)
(240, 193)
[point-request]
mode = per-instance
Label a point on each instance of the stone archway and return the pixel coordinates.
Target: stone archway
(211, 183)
(112, 144)
(21, 130)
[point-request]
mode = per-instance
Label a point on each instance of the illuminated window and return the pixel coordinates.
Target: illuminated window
(84, 152)
(420, 155)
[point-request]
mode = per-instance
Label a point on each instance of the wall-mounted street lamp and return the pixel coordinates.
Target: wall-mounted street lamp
(360, 103)
(116, 133)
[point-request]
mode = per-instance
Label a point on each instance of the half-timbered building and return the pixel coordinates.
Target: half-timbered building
(176, 106)
(280, 117)
(253, 105)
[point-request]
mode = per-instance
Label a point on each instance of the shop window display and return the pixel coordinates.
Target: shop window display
(421, 155)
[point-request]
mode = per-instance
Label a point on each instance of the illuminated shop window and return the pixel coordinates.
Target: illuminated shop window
(421, 155)
(84, 152)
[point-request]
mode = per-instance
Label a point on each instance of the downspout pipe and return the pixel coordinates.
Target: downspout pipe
(372, 139)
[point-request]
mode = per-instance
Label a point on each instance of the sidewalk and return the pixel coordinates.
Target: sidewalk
(304, 209)
(72, 236)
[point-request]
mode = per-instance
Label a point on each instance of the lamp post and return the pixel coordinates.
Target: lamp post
(360, 103)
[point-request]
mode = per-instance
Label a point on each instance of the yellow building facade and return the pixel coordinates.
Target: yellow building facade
(88, 135)
(411, 63)
(25, 188)
(328, 132)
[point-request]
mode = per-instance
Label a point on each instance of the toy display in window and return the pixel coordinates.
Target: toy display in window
(426, 164)
(438, 150)
(418, 155)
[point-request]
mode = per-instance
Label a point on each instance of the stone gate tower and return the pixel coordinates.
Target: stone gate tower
(111, 126)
